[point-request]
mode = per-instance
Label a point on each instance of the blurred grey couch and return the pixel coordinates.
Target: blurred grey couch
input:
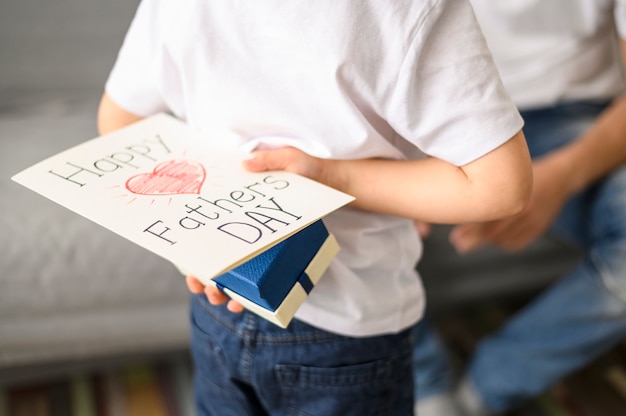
(74, 295)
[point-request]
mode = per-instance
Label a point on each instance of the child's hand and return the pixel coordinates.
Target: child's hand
(288, 159)
(213, 294)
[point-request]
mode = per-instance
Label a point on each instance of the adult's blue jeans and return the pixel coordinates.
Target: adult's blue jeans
(579, 317)
(245, 365)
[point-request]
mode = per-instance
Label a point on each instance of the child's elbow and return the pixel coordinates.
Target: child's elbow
(505, 177)
(507, 195)
(515, 185)
(520, 195)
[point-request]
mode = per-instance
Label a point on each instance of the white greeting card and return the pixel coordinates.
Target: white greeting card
(159, 184)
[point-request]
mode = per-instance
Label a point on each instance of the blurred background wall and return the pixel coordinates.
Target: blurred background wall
(60, 44)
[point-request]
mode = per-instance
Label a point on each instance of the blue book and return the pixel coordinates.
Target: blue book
(276, 282)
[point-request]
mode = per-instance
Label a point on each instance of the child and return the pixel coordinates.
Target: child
(349, 92)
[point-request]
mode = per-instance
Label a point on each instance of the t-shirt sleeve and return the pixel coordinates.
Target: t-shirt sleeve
(620, 18)
(132, 83)
(449, 100)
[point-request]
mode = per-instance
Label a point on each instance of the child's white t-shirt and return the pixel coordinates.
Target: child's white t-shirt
(338, 79)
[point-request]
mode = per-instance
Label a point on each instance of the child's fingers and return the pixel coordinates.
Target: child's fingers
(215, 296)
(234, 306)
(263, 160)
(468, 237)
(194, 285)
(423, 228)
(283, 158)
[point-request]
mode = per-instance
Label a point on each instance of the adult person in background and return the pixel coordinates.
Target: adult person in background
(562, 64)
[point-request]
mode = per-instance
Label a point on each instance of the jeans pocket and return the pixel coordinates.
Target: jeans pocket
(361, 389)
(208, 355)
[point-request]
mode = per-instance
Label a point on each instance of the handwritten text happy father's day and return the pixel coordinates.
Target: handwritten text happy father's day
(255, 202)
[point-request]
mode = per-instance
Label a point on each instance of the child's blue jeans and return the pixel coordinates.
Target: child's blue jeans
(247, 366)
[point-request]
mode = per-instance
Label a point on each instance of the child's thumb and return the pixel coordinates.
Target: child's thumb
(262, 160)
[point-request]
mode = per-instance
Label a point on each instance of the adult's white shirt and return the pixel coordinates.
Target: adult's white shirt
(337, 79)
(551, 51)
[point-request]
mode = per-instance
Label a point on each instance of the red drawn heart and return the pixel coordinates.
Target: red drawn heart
(173, 177)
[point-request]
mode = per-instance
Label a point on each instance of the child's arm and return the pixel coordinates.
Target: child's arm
(496, 185)
(493, 186)
(112, 117)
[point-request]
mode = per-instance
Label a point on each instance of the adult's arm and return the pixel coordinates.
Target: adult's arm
(598, 151)
(557, 177)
